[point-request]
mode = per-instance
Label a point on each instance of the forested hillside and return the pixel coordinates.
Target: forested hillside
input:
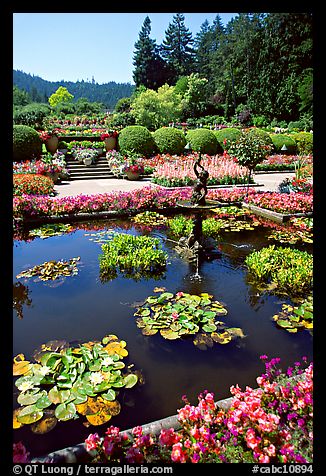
(40, 89)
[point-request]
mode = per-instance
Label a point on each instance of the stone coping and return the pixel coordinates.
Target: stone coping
(274, 216)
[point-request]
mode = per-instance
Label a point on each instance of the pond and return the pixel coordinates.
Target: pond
(84, 308)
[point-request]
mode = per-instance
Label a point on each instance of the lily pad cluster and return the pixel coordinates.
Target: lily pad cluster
(293, 318)
(150, 218)
(135, 257)
(101, 236)
(51, 229)
(66, 381)
(51, 270)
(183, 314)
(291, 237)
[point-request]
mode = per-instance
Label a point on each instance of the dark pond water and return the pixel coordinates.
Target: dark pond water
(82, 308)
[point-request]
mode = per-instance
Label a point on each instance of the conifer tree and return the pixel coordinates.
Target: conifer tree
(149, 66)
(176, 48)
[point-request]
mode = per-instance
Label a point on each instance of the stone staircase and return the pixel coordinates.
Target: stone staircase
(98, 170)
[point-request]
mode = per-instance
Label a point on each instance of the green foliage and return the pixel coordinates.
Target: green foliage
(134, 256)
(304, 142)
(180, 225)
(154, 109)
(62, 95)
(202, 140)
(66, 381)
(20, 97)
(27, 144)
(194, 101)
(169, 140)
(137, 139)
(228, 134)
(287, 270)
(282, 139)
(32, 115)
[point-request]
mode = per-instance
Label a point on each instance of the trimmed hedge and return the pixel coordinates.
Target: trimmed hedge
(169, 140)
(32, 184)
(231, 134)
(282, 139)
(202, 140)
(137, 139)
(27, 144)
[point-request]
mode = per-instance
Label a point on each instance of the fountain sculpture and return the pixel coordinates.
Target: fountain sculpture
(196, 246)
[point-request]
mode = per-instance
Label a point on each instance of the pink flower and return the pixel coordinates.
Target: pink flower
(92, 441)
(168, 437)
(20, 454)
(178, 455)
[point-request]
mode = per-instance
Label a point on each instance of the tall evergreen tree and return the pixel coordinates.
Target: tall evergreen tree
(176, 48)
(150, 68)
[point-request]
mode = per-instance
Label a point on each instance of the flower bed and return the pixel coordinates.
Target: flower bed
(222, 170)
(282, 202)
(32, 184)
(279, 162)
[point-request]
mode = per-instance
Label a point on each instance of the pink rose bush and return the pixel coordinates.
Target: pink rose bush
(269, 424)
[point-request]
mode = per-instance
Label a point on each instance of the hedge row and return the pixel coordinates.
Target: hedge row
(167, 140)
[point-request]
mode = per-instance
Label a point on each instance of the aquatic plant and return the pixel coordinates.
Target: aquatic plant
(66, 381)
(183, 314)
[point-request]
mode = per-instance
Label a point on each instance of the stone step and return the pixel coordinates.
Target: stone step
(90, 167)
(91, 177)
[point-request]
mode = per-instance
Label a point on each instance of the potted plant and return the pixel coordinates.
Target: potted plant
(50, 167)
(85, 156)
(63, 147)
(50, 139)
(110, 139)
(133, 167)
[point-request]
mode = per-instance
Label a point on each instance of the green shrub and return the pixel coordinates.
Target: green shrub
(230, 134)
(169, 140)
(304, 142)
(32, 115)
(282, 139)
(27, 144)
(202, 140)
(32, 184)
(137, 139)
(265, 136)
(260, 121)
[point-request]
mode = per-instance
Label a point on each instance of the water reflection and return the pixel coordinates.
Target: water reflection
(21, 297)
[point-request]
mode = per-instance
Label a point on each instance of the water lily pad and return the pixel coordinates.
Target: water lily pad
(15, 423)
(130, 380)
(46, 424)
(110, 395)
(202, 341)
(221, 337)
(65, 411)
(29, 398)
(169, 334)
(98, 419)
(29, 414)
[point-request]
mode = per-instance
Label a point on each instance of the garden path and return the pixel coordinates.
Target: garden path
(267, 182)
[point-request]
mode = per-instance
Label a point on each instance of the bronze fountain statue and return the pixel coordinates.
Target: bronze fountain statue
(196, 245)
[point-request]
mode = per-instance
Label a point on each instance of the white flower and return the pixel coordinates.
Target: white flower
(107, 361)
(44, 370)
(96, 378)
(25, 386)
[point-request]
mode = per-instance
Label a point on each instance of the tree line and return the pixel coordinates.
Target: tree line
(259, 63)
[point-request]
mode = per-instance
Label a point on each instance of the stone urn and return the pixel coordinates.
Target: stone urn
(88, 161)
(132, 175)
(51, 144)
(110, 143)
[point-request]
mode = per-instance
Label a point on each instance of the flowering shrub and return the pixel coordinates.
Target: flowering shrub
(283, 203)
(281, 162)
(270, 424)
(32, 184)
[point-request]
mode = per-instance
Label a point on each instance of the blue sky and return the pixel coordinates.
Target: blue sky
(76, 46)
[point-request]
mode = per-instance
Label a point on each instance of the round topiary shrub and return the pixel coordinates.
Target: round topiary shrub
(169, 140)
(229, 134)
(202, 140)
(32, 184)
(282, 139)
(136, 139)
(27, 144)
